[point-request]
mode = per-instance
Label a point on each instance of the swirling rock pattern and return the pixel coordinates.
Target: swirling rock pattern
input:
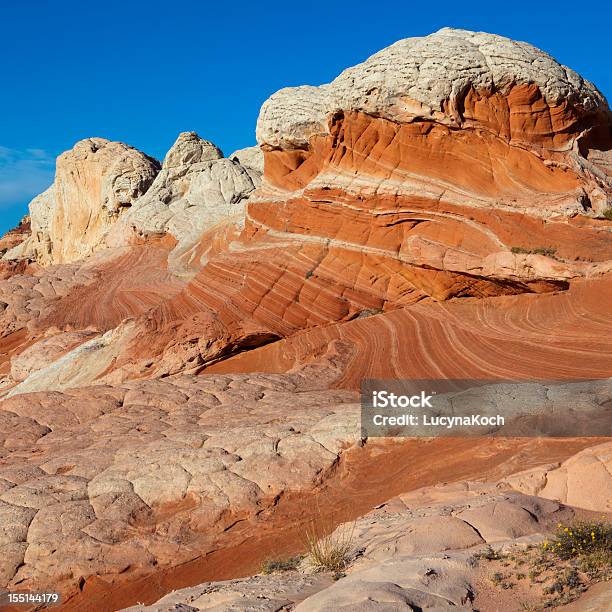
(191, 360)
(450, 178)
(562, 335)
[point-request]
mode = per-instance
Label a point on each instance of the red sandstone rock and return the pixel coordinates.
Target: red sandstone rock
(434, 212)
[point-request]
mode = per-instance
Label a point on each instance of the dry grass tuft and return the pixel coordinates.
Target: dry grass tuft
(328, 549)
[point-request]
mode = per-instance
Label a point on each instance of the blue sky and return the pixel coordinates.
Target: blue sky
(141, 72)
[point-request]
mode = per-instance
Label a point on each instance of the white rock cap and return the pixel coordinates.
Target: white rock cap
(427, 70)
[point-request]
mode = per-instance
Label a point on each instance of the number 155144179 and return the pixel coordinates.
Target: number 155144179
(39, 598)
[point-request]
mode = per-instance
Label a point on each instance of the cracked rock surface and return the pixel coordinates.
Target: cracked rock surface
(98, 479)
(416, 551)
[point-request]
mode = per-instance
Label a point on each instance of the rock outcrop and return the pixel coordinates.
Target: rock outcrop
(562, 335)
(196, 190)
(13, 238)
(580, 481)
(181, 345)
(415, 148)
(381, 191)
(95, 183)
(456, 165)
(252, 159)
(11, 248)
(420, 550)
(107, 194)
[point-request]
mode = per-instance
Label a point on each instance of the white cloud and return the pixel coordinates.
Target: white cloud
(23, 175)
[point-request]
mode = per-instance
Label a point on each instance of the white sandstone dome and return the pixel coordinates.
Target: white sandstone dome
(425, 70)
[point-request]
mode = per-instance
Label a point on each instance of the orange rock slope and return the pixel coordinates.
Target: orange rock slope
(376, 197)
(378, 215)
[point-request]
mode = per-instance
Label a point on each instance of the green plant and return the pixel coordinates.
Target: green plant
(547, 251)
(607, 214)
(280, 565)
(369, 312)
(571, 578)
(581, 538)
(489, 554)
(596, 564)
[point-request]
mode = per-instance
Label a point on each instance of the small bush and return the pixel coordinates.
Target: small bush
(489, 554)
(272, 566)
(547, 251)
(581, 538)
(369, 312)
(571, 578)
(607, 214)
(594, 563)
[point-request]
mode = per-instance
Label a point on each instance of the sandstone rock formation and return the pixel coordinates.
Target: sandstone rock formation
(95, 296)
(181, 346)
(115, 468)
(196, 190)
(370, 202)
(105, 194)
(11, 248)
(13, 238)
(45, 352)
(417, 550)
(580, 481)
(95, 182)
(252, 159)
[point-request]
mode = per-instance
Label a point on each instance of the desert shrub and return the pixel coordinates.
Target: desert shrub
(548, 251)
(490, 554)
(583, 538)
(272, 566)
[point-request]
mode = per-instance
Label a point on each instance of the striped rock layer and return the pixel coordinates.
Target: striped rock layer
(459, 165)
(180, 345)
